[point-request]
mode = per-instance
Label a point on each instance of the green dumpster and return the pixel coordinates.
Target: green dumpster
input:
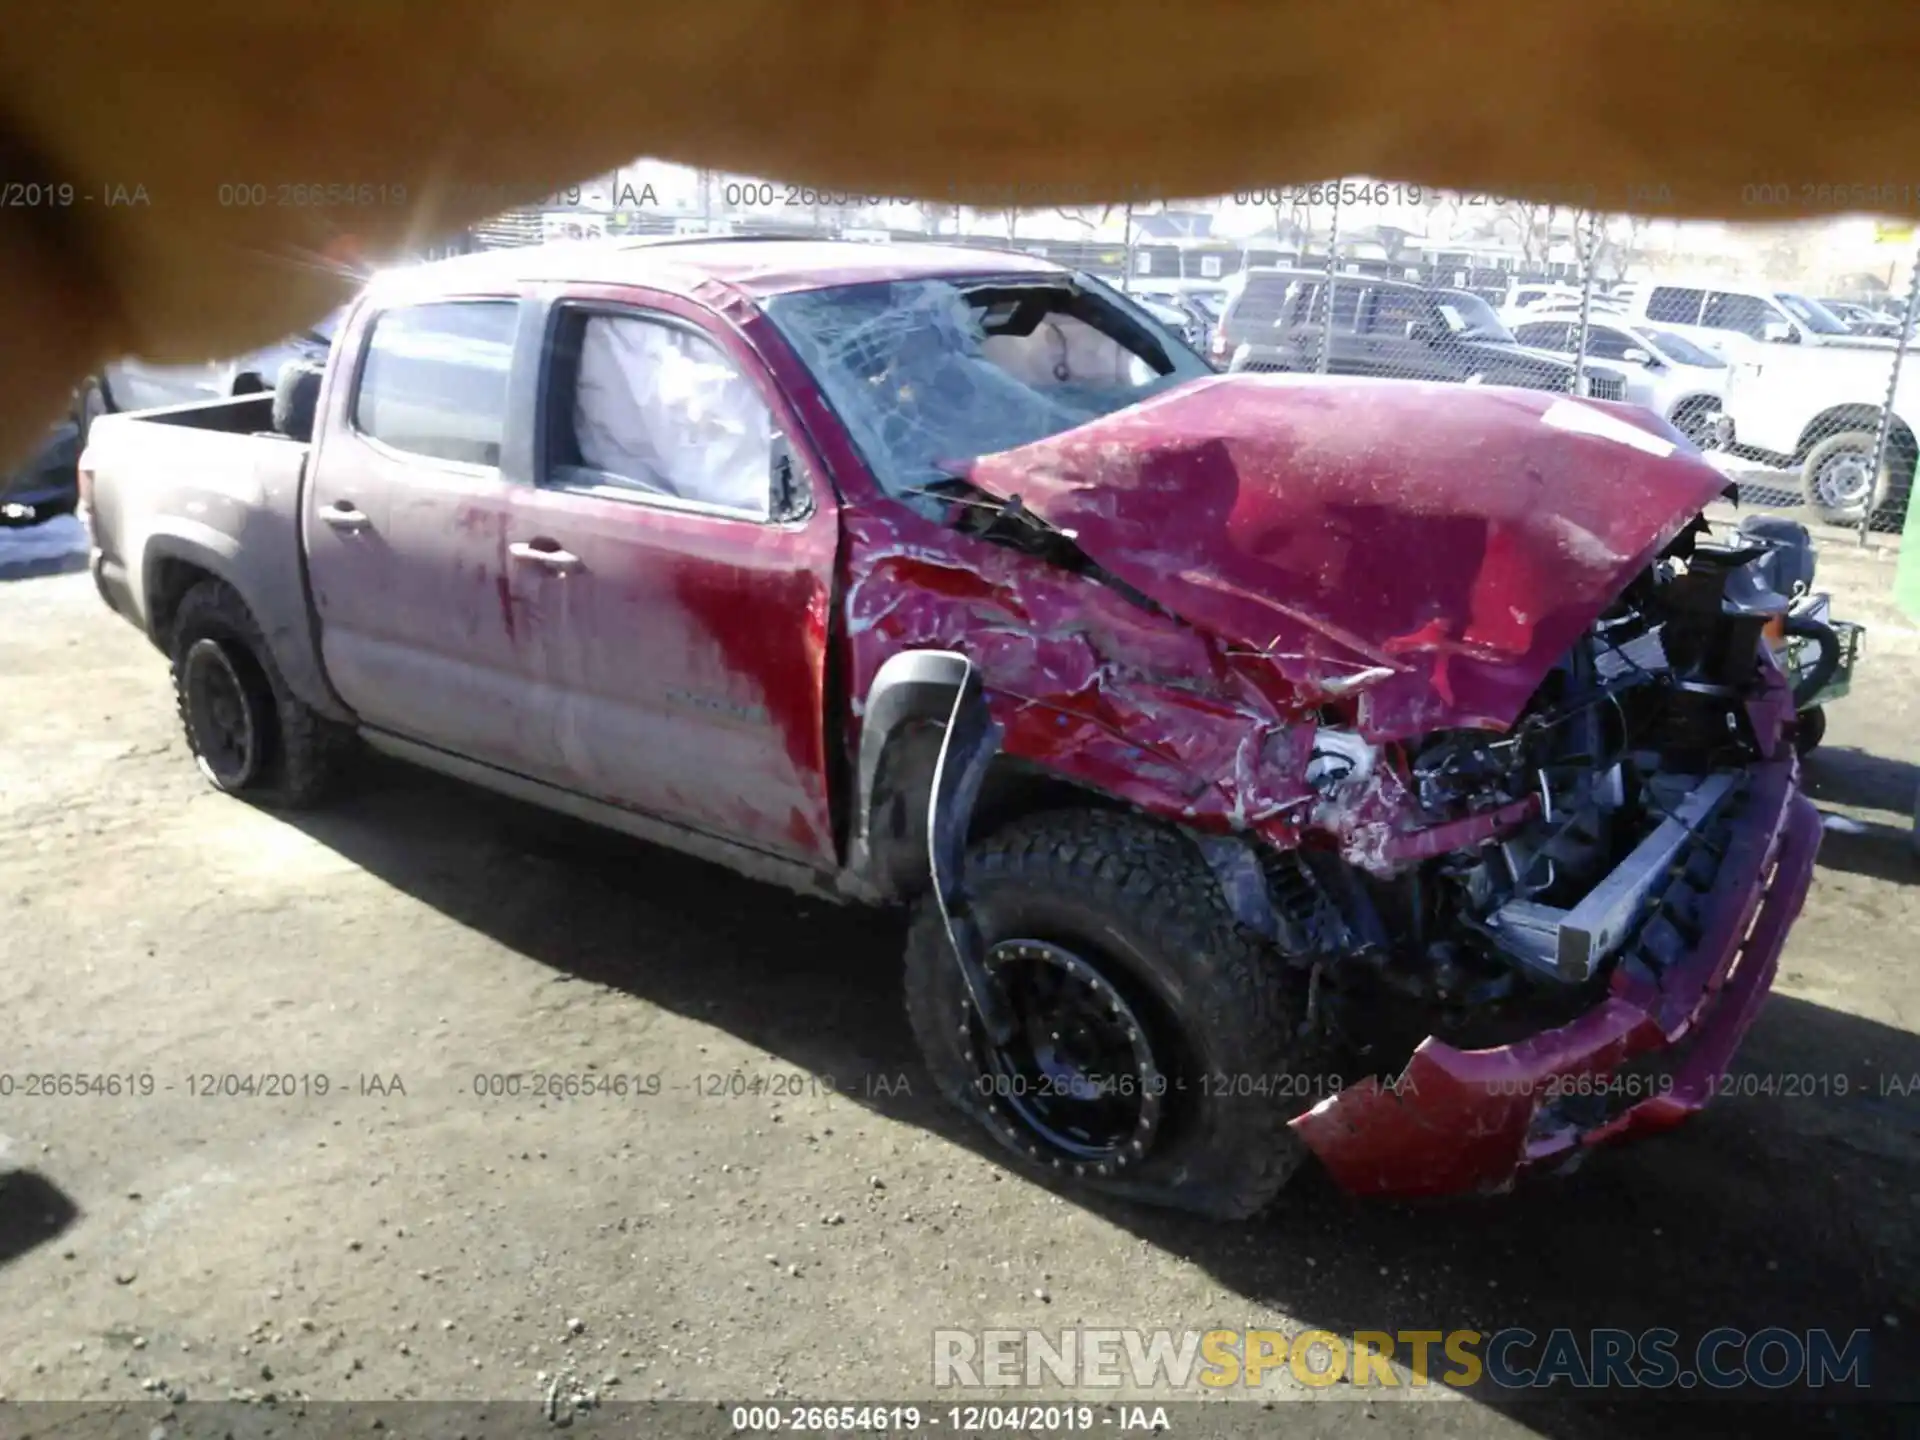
(1906, 575)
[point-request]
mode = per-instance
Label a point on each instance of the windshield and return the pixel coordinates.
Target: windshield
(929, 374)
(1810, 313)
(1470, 318)
(1682, 351)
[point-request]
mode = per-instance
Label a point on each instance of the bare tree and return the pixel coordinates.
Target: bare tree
(1436, 203)
(1620, 245)
(1786, 260)
(1529, 220)
(1082, 216)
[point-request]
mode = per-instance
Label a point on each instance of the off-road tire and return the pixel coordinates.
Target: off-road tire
(304, 754)
(1137, 900)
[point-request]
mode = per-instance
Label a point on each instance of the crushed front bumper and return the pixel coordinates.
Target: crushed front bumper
(1648, 1056)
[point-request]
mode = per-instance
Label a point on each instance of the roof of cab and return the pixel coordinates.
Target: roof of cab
(754, 266)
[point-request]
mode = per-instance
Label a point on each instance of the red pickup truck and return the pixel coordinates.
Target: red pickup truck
(1279, 766)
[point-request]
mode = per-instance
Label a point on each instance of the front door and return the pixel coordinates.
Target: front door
(684, 617)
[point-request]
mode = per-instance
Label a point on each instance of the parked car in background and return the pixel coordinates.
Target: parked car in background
(1175, 317)
(44, 485)
(1678, 380)
(1356, 742)
(1388, 328)
(1865, 319)
(134, 384)
(1528, 295)
(1200, 306)
(1733, 319)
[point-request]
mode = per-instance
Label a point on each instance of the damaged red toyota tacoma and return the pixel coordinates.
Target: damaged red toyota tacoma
(1276, 766)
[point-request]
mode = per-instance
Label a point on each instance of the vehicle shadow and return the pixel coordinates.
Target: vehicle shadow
(1793, 1201)
(33, 1210)
(1850, 777)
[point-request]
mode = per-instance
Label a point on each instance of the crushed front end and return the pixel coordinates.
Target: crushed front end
(1554, 936)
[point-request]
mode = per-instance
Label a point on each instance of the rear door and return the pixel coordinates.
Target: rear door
(426, 620)
(1399, 336)
(1304, 326)
(683, 608)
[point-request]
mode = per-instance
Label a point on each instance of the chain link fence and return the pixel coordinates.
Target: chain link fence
(1779, 349)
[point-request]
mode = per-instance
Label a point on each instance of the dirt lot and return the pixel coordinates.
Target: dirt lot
(404, 1236)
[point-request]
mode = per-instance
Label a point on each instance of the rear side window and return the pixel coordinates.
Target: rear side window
(434, 382)
(1392, 311)
(1261, 303)
(1671, 305)
(1311, 306)
(1545, 335)
(1748, 314)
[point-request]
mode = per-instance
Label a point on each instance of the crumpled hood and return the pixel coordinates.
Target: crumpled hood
(1433, 549)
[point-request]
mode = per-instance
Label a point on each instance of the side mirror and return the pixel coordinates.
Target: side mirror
(1778, 332)
(1421, 331)
(1636, 356)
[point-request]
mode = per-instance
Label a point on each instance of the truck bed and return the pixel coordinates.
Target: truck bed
(192, 491)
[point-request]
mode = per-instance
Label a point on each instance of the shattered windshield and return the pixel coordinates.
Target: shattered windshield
(927, 374)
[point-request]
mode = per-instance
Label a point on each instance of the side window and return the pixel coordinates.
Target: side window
(1606, 343)
(1747, 314)
(1347, 294)
(1545, 335)
(1671, 305)
(655, 409)
(1393, 310)
(434, 381)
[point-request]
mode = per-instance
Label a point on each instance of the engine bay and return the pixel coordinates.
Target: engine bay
(1631, 765)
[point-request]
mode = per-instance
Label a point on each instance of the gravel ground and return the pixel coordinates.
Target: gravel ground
(402, 1235)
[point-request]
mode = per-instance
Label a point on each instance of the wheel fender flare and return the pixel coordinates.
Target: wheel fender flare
(220, 557)
(943, 686)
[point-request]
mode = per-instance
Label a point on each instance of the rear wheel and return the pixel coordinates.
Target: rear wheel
(1156, 1053)
(1837, 478)
(249, 734)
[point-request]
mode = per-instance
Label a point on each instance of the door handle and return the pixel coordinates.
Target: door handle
(545, 553)
(342, 516)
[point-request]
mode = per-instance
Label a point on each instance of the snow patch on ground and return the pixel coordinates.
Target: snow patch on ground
(57, 545)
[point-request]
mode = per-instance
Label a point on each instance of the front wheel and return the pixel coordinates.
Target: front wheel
(1157, 1052)
(1699, 420)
